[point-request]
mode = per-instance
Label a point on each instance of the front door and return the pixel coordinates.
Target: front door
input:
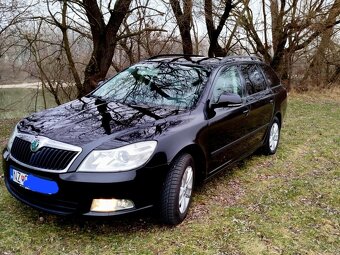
(223, 135)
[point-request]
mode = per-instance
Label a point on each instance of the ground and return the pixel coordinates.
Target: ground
(288, 203)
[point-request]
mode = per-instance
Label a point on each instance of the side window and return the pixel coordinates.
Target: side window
(254, 79)
(228, 81)
(270, 75)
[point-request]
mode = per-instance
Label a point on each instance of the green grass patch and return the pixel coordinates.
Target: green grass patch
(19, 102)
(288, 203)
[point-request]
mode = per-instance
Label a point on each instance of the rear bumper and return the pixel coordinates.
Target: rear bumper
(77, 190)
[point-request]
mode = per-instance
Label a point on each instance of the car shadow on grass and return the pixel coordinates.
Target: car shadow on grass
(144, 220)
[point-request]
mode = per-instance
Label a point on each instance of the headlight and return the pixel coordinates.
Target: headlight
(11, 138)
(117, 160)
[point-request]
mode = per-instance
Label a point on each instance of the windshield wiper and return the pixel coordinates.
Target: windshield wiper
(153, 86)
(100, 99)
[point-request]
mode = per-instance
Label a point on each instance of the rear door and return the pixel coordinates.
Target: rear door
(260, 101)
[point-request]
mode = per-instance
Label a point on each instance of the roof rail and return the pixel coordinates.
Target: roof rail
(173, 55)
(207, 58)
(232, 58)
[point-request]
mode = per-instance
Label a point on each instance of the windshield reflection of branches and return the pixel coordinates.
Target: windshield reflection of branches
(156, 84)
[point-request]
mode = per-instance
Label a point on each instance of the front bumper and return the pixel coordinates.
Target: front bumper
(77, 190)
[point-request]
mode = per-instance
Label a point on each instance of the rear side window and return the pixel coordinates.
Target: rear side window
(271, 76)
(254, 79)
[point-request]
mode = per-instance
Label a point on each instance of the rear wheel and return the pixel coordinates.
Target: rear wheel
(177, 190)
(273, 138)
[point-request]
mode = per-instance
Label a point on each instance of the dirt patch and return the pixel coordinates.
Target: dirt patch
(221, 195)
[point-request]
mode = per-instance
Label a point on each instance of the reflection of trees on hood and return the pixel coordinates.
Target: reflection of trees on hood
(149, 132)
(106, 116)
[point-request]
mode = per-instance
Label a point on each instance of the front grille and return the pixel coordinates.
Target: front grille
(46, 157)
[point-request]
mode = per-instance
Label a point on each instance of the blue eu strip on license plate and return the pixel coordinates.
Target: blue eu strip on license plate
(32, 182)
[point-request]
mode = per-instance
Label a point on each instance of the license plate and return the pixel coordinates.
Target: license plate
(33, 183)
(19, 177)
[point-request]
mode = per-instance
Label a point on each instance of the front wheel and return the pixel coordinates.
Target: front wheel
(177, 190)
(273, 138)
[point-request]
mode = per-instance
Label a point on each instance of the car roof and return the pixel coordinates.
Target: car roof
(197, 60)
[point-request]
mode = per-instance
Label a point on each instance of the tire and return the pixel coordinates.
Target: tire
(177, 188)
(273, 137)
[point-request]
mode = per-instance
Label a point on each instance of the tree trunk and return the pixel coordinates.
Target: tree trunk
(72, 66)
(104, 40)
(215, 50)
(280, 37)
(336, 75)
(183, 19)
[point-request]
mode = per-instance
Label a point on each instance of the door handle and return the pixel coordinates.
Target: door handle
(245, 112)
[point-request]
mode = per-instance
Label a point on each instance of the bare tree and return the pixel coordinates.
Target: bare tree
(319, 59)
(184, 21)
(11, 14)
(104, 38)
(41, 47)
(214, 32)
(294, 26)
(102, 25)
(64, 26)
(105, 31)
(72, 45)
(137, 33)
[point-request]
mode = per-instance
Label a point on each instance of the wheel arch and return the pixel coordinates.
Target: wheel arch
(279, 116)
(199, 158)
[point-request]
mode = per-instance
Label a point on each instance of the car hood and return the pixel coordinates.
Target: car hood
(103, 124)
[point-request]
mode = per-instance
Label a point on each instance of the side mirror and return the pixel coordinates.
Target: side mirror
(228, 100)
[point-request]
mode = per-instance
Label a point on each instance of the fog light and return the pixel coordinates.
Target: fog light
(111, 205)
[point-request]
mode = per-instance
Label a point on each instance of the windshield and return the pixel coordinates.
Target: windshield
(156, 84)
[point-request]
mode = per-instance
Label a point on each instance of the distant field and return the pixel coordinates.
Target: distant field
(288, 203)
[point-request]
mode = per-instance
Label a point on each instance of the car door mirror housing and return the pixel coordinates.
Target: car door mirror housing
(228, 100)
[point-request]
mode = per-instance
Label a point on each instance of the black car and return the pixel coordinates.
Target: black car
(145, 137)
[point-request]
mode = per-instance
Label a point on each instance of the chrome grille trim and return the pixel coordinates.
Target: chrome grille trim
(46, 142)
